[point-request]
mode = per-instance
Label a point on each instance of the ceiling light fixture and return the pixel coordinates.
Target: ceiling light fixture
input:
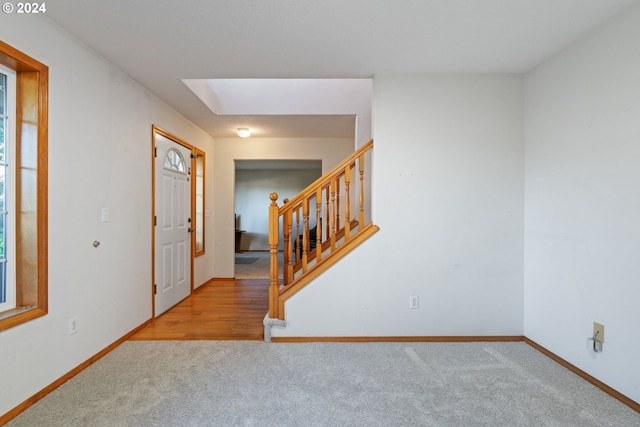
(244, 132)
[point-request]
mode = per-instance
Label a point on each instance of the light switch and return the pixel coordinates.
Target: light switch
(105, 214)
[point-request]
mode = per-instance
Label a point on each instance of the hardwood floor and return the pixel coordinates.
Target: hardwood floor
(218, 310)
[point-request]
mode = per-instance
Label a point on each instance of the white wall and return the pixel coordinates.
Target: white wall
(582, 204)
(253, 187)
(448, 177)
(227, 150)
(99, 156)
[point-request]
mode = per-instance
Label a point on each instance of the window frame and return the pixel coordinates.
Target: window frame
(199, 180)
(9, 189)
(30, 208)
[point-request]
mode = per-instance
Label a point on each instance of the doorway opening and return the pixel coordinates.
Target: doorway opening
(254, 181)
(172, 213)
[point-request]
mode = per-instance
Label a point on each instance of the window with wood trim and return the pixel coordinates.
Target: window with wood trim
(199, 201)
(7, 229)
(23, 196)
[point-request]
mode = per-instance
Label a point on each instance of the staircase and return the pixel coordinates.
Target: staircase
(319, 226)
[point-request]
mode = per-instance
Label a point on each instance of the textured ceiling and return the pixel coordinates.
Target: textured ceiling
(160, 42)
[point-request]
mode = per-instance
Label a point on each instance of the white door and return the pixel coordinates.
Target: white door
(172, 251)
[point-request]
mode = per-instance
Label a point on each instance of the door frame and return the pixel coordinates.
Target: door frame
(159, 131)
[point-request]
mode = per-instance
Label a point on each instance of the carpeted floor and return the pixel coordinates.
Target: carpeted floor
(240, 383)
(245, 260)
(258, 269)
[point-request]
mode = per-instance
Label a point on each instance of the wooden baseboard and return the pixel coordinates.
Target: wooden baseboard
(5, 418)
(596, 382)
(495, 338)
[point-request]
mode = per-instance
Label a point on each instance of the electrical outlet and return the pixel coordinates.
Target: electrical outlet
(598, 332)
(73, 325)
(413, 301)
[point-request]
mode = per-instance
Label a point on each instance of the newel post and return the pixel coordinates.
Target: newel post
(274, 233)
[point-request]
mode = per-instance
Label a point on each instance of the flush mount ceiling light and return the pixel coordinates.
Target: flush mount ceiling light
(244, 132)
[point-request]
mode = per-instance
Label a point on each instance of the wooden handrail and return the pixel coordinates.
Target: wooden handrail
(337, 170)
(314, 239)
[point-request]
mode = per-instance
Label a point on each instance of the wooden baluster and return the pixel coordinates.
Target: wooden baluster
(297, 237)
(347, 207)
(318, 225)
(337, 190)
(288, 249)
(285, 242)
(361, 202)
(327, 214)
(287, 267)
(305, 233)
(274, 232)
(333, 214)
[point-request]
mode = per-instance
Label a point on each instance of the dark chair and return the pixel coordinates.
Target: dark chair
(312, 239)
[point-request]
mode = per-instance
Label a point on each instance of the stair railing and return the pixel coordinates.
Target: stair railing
(318, 224)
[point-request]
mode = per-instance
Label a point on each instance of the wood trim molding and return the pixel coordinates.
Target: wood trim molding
(197, 153)
(596, 382)
(5, 418)
(482, 338)
(31, 190)
(153, 220)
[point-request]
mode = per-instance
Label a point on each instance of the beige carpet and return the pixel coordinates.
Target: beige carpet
(258, 269)
(241, 383)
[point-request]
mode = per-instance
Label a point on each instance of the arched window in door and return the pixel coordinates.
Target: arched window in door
(174, 161)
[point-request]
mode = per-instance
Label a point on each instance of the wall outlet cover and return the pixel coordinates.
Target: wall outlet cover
(73, 325)
(598, 332)
(414, 301)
